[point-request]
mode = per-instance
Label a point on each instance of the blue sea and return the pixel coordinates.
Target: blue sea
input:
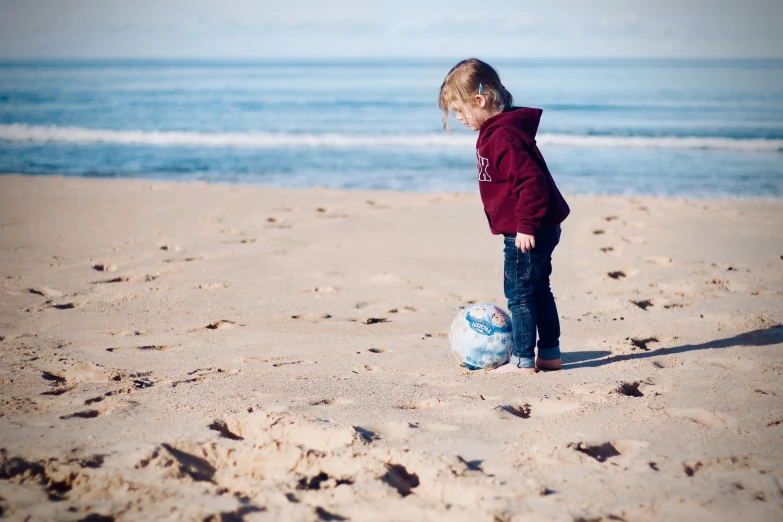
(686, 128)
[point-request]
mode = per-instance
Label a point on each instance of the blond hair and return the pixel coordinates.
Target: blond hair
(467, 79)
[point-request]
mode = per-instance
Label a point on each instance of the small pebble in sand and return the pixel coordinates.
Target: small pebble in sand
(105, 267)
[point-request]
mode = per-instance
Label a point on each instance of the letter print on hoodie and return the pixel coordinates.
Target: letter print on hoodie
(482, 164)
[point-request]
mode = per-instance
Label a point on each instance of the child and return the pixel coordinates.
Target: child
(520, 201)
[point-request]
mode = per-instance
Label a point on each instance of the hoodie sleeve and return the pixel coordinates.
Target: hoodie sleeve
(528, 182)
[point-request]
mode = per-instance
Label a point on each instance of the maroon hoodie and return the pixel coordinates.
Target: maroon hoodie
(517, 190)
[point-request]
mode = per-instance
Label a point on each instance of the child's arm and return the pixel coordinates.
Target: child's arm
(528, 184)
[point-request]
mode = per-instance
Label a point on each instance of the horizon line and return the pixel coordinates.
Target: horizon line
(377, 59)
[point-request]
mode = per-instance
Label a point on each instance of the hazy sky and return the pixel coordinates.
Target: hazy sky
(426, 29)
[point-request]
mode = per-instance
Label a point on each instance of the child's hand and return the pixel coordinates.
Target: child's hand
(525, 242)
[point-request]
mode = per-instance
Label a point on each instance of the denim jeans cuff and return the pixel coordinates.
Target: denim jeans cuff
(549, 354)
(522, 362)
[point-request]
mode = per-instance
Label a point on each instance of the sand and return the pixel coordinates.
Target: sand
(205, 352)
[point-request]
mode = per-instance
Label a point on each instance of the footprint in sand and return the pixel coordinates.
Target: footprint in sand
(277, 222)
(85, 414)
(437, 427)
(377, 206)
(331, 402)
(120, 279)
(669, 306)
(629, 389)
(635, 224)
(731, 364)
(614, 251)
(245, 241)
(423, 404)
(626, 272)
(203, 374)
(287, 208)
(660, 260)
(439, 335)
(222, 427)
(387, 278)
(471, 396)
(324, 212)
(277, 362)
(644, 304)
(58, 391)
(600, 452)
(57, 306)
(672, 361)
(702, 417)
(322, 290)
(212, 286)
(73, 374)
(290, 363)
(391, 430)
(721, 465)
(147, 347)
(403, 309)
(257, 360)
(550, 407)
(53, 378)
(367, 435)
(534, 408)
(106, 405)
(46, 292)
(641, 343)
(511, 411)
(222, 324)
(183, 259)
(403, 430)
(636, 240)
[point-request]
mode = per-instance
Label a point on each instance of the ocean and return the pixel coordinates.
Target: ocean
(684, 128)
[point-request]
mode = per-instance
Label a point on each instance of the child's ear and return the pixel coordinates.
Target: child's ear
(481, 101)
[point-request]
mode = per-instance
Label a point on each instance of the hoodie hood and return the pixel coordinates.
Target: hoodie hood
(524, 120)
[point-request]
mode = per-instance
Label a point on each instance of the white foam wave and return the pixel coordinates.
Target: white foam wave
(39, 133)
(674, 142)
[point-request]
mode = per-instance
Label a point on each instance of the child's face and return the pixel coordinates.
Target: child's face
(473, 115)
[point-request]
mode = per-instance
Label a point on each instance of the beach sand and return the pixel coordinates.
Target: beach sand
(204, 352)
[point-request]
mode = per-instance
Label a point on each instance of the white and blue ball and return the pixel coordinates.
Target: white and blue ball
(480, 337)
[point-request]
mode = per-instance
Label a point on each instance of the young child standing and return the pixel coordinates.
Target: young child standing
(521, 202)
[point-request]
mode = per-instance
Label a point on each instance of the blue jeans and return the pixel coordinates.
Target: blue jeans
(530, 300)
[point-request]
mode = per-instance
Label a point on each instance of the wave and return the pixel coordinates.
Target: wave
(41, 133)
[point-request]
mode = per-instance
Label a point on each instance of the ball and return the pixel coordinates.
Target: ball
(480, 337)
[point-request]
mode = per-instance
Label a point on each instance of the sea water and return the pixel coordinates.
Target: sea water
(685, 128)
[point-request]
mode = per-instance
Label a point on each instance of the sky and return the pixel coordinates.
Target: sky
(350, 29)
